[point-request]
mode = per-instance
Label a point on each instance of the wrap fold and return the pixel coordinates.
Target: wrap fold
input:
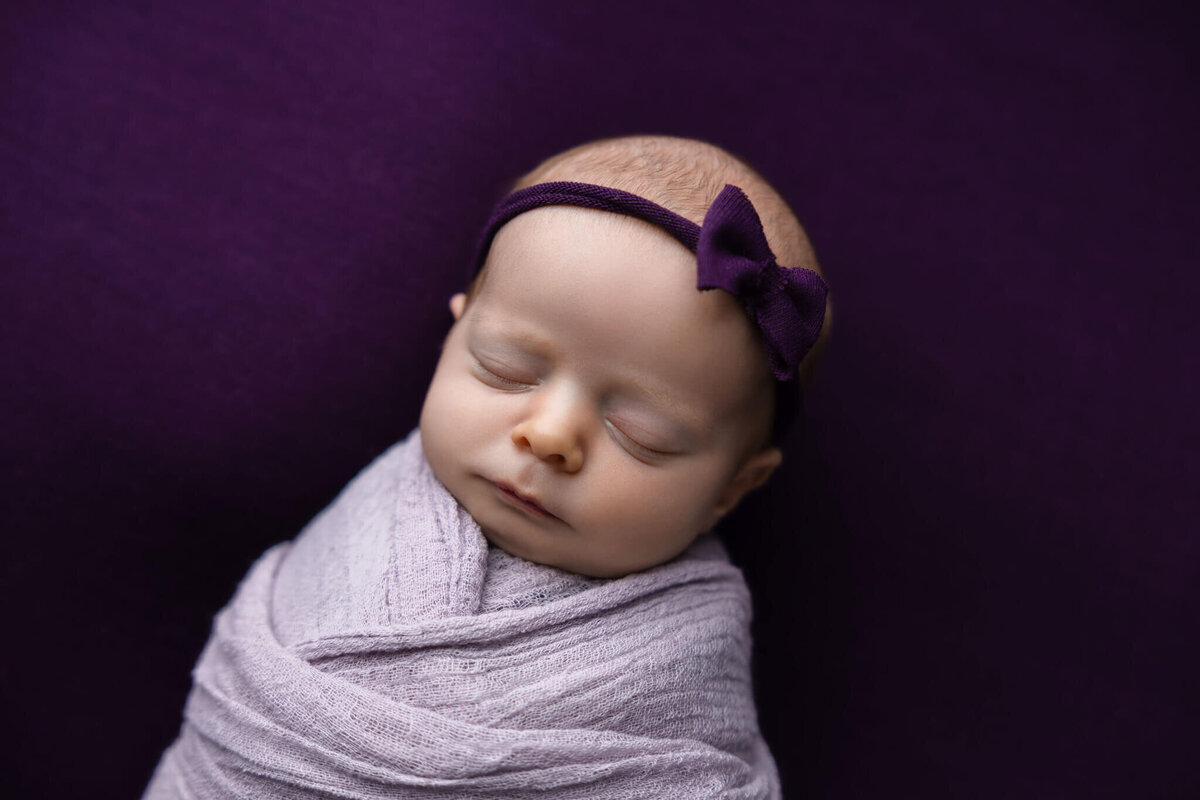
(389, 652)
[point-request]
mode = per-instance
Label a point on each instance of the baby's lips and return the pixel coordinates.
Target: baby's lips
(528, 501)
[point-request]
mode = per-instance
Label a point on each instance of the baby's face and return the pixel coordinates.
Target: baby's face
(591, 409)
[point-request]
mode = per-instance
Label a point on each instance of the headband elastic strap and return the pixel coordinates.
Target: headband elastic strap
(586, 195)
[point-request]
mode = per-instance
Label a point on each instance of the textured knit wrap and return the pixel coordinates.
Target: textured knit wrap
(390, 653)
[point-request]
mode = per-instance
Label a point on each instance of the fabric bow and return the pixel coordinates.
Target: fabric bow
(787, 305)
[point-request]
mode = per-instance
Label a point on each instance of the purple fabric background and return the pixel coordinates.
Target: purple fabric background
(228, 231)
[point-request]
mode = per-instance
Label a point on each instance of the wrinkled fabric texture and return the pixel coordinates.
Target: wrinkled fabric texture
(389, 652)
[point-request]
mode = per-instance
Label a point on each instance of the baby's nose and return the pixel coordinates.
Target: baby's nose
(553, 433)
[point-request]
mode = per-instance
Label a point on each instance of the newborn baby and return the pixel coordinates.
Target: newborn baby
(523, 599)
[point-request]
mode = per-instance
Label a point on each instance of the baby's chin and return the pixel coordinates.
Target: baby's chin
(538, 556)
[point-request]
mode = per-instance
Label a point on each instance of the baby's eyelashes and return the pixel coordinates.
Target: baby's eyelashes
(642, 452)
(501, 377)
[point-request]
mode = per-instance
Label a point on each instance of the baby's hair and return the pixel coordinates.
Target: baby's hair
(685, 176)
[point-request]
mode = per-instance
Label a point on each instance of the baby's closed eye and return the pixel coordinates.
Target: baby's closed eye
(500, 375)
(639, 443)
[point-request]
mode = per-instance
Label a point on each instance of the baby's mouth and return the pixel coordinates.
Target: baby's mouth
(530, 505)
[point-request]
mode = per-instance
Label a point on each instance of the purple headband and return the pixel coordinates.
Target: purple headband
(787, 305)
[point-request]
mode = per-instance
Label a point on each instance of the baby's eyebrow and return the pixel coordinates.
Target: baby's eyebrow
(655, 397)
(507, 331)
(679, 416)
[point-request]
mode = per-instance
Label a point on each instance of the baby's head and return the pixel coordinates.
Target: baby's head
(592, 409)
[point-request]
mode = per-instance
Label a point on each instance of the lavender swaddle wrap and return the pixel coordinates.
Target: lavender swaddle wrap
(390, 653)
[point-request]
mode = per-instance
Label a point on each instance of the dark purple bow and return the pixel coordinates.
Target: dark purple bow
(787, 305)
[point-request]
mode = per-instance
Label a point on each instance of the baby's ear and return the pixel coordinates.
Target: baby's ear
(753, 474)
(458, 304)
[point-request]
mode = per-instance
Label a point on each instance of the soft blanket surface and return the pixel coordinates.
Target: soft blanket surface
(389, 652)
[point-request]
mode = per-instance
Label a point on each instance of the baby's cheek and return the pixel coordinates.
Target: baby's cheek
(448, 423)
(649, 510)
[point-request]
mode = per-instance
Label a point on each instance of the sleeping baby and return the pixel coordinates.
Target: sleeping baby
(523, 598)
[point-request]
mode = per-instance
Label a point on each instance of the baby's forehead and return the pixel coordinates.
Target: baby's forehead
(578, 275)
(607, 261)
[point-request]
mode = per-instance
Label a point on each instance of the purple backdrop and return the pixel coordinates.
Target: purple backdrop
(228, 231)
